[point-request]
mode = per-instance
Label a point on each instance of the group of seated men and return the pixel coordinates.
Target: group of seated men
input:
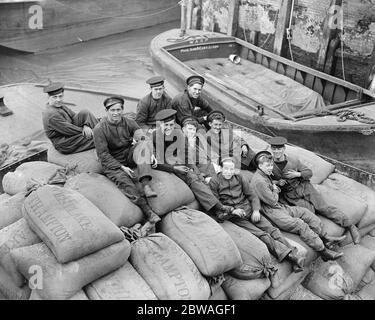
(186, 137)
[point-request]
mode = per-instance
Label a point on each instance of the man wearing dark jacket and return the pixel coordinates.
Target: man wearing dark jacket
(293, 177)
(119, 155)
(233, 190)
(297, 220)
(68, 131)
(169, 148)
(190, 102)
(152, 103)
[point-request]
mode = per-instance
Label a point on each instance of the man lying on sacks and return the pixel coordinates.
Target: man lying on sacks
(292, 219)
(119, 154)
(169, 149)
(233, 190)
(293, 178)
(68, 131)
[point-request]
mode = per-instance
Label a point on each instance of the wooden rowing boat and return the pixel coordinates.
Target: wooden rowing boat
(33, 25)
(271, 94)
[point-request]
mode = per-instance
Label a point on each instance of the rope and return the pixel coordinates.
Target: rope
(344, 115)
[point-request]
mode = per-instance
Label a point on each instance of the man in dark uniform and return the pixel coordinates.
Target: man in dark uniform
(169, 147)
(152, 103)
(293, 178)
(68, 131)
(232, 190)
(223, 142)
(196, 148)
(190, 102)
(119, 155)
(296, 220)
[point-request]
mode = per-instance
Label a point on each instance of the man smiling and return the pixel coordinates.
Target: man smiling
(190, 102)
(119, 155)
(68, 131)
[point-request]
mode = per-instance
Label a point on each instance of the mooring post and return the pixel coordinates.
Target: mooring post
(183, 17)
(281, 25)
(233, 12)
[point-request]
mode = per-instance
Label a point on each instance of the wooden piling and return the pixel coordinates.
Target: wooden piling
(183, 18)
(281, 26)
(329, 32)
(197, 15)
(233, 11)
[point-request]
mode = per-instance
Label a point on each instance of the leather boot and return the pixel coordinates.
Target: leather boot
(149, 193)
(328, 254)
(355, 234)
(297, 260)
(331, 241)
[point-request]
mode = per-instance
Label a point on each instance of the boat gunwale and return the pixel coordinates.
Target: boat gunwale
(275, 57)
(275, 124)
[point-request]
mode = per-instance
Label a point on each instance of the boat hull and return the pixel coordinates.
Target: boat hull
(67, 22)
(353, 144)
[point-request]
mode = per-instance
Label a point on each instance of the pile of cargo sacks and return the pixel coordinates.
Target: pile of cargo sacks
(62, 237)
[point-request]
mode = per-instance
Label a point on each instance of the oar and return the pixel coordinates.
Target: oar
(224, 84)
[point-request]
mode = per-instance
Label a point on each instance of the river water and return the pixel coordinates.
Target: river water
(119, 63)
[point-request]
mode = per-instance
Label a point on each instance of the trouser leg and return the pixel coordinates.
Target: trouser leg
(140, 156)
(282, 218)
(85, 118)
(128, 187)
(201, 191)
(276, 248)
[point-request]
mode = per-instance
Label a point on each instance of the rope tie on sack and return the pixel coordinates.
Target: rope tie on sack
(215, 282)
(138, 231)
(58, 178)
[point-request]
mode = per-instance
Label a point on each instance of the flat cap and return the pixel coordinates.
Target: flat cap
(155, 81)
(215, 114)
(195, 79)
(226, 159)
(109, 102)
(278, 141)
(189, 120)
(54, 88)
(165, 115)
(253, 165)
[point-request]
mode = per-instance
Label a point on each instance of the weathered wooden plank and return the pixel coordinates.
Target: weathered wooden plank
(189, 13)
(233, 10)
(329, 31)
(282, 24)
(197, 15)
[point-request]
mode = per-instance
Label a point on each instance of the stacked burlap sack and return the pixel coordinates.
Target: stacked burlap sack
(72, 233)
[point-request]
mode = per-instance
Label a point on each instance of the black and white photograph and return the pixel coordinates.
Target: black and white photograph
(187, 156)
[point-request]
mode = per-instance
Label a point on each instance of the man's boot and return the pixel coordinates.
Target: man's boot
(331, 241)
(149, 193)
(328, 254)
(297, 260)
(355, 234)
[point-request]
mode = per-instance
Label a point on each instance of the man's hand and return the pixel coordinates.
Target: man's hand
(255, 216)
(207, 180)
(239, 212)
(244, 151)
(276, 188)
(292, 174)
(151, 130)
(280, 182)
(87, 132)
(154, 162)
(181, 169)
(128, 171)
